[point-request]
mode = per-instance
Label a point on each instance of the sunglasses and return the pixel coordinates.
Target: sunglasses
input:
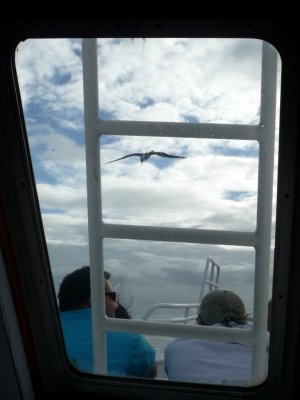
(111, 295)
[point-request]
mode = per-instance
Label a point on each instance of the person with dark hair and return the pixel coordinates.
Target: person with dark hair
(208, 361)
(121, 312)
(128, 354)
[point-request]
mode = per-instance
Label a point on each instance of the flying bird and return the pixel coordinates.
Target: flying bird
(145, 156)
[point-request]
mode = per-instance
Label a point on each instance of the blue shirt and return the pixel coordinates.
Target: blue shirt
(128, 354)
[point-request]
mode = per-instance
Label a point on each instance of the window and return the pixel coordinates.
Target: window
(211, 105)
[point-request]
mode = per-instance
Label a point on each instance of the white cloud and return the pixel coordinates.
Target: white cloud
(213, 188)
(196, 77)
(62, 197)
(192, 192)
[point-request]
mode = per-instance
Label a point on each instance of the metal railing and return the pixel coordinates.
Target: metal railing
(159, 306)
(211, 268)
(260, 239)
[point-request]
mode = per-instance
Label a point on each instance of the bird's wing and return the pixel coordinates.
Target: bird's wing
(128, 155)
(160, 153)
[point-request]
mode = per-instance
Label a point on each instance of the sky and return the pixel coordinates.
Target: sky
(213, 187)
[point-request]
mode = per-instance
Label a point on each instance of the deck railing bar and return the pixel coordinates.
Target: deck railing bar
(168, 305)
(213, 283)
(178, 320)
(186, 318)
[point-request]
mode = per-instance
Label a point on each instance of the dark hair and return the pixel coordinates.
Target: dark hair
(228, 322)
(75, 289)
(231, 322)
(121, 312)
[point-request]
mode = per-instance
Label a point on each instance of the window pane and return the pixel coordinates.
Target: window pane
(164, 272)
(151, 179)
(180, 80)
(209, 189)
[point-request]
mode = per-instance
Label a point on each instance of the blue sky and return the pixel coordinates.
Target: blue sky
(214, 187)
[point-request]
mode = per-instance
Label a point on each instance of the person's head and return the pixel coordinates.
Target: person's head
(75, 292)
(221, 306)
(110, 299)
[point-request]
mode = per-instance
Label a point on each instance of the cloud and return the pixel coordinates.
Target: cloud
(47, 64)
(215, 187)
(187, 75)
(191, 192)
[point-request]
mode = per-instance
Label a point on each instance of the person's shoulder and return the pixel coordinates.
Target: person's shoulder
(75, 314)
(177, 343)
(132, 339)
(141, 340)
(141, 345)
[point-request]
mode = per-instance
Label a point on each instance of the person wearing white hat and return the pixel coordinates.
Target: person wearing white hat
(210, 361)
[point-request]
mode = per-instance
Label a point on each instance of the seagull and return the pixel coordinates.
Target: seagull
(145, 156)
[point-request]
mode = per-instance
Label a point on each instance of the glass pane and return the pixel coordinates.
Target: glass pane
(162, 272)
(180, 80)
(208, 189)
(213, 187)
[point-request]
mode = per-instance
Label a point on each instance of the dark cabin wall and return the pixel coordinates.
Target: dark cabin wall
(9, 385)
(34, 19)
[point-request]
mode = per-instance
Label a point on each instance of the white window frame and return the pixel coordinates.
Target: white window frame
(260, 239)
